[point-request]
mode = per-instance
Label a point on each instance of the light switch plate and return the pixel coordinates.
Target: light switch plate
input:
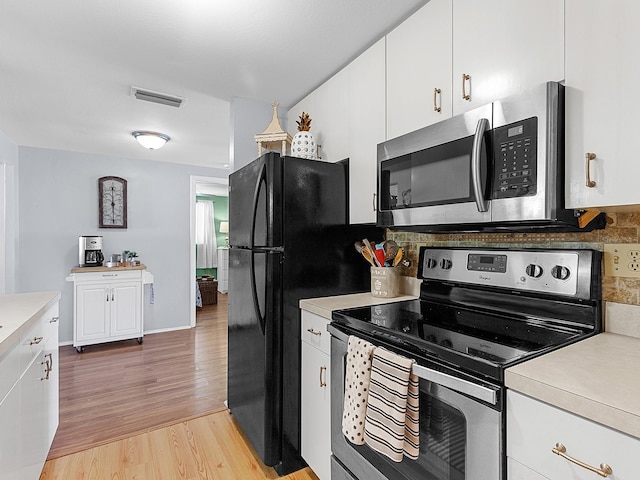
(622, 259)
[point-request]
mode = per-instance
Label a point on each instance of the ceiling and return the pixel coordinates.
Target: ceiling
(67, 66)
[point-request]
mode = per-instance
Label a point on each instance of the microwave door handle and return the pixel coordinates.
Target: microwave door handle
(476, 167)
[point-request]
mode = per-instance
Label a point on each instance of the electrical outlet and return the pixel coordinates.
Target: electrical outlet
(622, 259)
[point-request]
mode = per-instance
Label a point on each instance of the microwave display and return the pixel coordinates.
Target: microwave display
(433, 176)
(515, 159)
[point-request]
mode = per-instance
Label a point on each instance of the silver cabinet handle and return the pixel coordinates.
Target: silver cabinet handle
(590, 156)
(54, 320)
(466, 78)
(36, 340)
(314, 332)
(375, 203)
(604, 470)
(322, 382)
(48, 366)
(437, 93)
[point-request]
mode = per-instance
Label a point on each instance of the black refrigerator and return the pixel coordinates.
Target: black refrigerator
(289, 239)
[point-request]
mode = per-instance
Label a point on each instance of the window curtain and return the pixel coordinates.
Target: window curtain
(206, 247)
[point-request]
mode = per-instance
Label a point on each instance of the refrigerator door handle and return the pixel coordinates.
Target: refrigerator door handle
(256, 194)
(254, 293)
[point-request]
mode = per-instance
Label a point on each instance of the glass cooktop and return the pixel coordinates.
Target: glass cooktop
(479, 341)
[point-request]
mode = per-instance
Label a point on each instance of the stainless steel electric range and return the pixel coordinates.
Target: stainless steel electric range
(480, 311)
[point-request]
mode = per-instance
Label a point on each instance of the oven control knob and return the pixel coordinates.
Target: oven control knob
(431, 263)
(560, 272)
(445, 264)
(446, 343)
(534, 270)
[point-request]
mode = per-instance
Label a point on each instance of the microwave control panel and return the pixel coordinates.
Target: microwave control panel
(515, 159)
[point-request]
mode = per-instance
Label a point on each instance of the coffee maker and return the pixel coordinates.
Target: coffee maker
(90, 251)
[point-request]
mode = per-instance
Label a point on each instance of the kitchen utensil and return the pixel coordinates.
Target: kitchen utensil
(390, 250)
(362, 250)
(379, 252)
(368, 247)
(398, 257)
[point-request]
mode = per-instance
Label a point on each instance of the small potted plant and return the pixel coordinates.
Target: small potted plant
(131, 257)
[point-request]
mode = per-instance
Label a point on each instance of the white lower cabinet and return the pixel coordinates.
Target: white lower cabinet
(29, 410)
(108, 307)
(316, 401)
(535, 428)
(223, 269)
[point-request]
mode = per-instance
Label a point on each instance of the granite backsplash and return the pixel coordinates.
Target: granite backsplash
(621, 228)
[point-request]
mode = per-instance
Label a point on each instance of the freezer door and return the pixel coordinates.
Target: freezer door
(255, 348)
(255, 204)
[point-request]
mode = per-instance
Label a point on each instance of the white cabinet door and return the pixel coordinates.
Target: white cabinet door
(602, 72)
(10, 434)
(366, 129)
(534, 428)
(316, 411)
(125, 309)
(92, 319)
(223, 270)
(419, 62)
(505, 47)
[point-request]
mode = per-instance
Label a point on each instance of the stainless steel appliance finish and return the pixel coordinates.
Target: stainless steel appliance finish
(498, 167)
(479, 312)
(90, 251)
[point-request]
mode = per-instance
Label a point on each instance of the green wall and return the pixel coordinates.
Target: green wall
(221, 214)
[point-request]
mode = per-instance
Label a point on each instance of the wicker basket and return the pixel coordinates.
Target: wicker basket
(208, 291)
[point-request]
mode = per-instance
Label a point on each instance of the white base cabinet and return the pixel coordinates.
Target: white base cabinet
(316, 401)
(533, 430)
(108, 307)
(29, 400)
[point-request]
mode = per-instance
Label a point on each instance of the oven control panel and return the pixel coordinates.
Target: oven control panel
(555, 272)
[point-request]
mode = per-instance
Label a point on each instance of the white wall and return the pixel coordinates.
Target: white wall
(248, 118)
(58, 201)
(8, 214)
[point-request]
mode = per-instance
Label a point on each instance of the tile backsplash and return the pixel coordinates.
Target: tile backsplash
(621, 228)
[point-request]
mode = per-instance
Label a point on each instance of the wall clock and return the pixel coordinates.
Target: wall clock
(112, 202)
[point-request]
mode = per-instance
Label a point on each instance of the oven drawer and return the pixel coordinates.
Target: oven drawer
(314, 331)
(534, 428)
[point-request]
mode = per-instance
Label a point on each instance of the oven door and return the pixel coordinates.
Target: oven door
(461, 438)
(438, 175)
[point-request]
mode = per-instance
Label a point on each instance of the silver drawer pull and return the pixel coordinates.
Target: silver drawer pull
(36, 340)
(604, 470)
(54, 319)
(314, 332)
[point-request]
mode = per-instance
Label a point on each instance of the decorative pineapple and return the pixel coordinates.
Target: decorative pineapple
(303, 144)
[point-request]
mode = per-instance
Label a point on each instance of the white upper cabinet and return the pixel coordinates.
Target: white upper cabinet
(366, 129)
(602, 80)
(348, 121)
(505, 47)
(419, 65)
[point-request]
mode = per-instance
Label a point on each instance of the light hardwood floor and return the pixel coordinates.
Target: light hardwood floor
(143, 412)
(120, 389)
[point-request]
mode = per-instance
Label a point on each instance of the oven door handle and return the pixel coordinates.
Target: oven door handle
(480, 392)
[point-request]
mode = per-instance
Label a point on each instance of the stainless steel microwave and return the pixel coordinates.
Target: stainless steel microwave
(497, 167)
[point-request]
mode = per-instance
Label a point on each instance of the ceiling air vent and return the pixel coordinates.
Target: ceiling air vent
(157, 97)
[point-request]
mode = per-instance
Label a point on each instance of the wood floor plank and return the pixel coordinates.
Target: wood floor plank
(120, 389)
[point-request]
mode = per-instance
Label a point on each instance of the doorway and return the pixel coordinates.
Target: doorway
(200, 186)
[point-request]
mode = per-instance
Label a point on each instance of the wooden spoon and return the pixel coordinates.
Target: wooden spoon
(362, 250)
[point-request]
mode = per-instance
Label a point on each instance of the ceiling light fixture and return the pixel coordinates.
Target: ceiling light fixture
(151, 140)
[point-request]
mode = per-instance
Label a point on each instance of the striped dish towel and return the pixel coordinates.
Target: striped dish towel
(356, 389)
(392, 416)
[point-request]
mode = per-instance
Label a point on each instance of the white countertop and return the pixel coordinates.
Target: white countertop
(597, 378)
(325, 305)
(19, 312)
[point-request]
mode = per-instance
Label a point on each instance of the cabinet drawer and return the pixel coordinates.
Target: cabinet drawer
(314, 331)
(534, 428)
(108, 276)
